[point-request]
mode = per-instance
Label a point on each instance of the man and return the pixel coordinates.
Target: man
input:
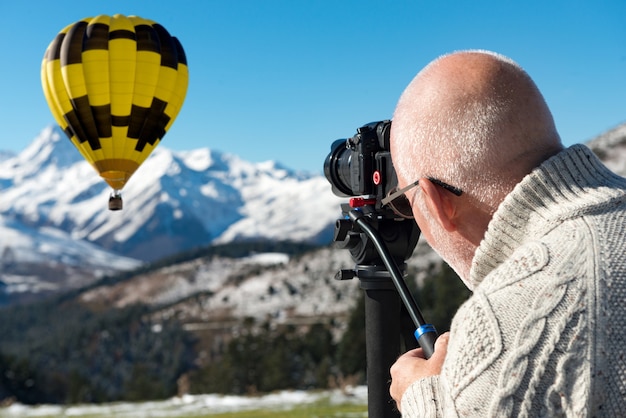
(538, 233)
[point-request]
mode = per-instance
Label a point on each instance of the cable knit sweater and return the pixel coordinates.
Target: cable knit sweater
(544, 334)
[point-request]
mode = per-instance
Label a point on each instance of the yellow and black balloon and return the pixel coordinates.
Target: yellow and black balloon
(115, 84)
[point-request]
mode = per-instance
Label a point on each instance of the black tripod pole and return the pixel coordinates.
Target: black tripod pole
(382, 337)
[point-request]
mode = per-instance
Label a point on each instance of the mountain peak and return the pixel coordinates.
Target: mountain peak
(201, 159)
(50, 147)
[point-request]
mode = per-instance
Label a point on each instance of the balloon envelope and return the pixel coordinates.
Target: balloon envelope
(115, 84)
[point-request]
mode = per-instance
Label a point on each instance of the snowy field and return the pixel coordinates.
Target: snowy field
(190, 405)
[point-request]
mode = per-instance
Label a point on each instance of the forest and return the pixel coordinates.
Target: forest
(63, 352)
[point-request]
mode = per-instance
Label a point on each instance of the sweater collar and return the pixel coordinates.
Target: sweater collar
(560, 188)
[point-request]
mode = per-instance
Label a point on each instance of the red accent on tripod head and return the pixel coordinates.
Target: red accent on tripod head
(359, 202)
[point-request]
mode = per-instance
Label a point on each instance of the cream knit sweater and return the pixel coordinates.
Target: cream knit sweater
(544, 334)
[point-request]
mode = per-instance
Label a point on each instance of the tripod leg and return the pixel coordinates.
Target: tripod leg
(382, 338)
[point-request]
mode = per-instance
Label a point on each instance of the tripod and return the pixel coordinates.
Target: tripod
(378, 244)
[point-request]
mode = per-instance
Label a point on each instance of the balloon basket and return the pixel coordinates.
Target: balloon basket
(115, 201)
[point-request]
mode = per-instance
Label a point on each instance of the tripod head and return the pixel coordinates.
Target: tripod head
(357, 234)
(400, 237)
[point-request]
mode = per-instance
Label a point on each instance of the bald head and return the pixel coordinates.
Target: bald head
(475, 120)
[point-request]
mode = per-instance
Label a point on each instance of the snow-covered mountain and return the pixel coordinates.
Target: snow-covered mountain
(56, 231)
(174, 202)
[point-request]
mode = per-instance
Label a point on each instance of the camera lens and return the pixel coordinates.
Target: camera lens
(337, 168)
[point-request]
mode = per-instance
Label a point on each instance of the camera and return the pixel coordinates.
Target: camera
(361, 165)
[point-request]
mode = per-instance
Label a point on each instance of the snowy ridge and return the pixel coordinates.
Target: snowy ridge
(611, 148)
(262, 286)
(25, 244)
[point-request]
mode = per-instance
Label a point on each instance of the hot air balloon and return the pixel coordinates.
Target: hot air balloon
(115, 84)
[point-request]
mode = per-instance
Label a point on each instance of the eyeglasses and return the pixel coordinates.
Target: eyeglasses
(401, 206)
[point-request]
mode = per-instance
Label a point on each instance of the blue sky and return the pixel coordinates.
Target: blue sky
(282, 79)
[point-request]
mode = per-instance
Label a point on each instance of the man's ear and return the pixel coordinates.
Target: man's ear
(441, 204)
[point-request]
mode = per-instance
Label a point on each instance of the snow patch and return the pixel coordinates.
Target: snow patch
(191, 405)
(267, 259)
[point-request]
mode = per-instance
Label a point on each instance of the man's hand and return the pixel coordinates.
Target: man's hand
(412, 366)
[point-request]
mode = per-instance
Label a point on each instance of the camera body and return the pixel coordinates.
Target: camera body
(361, 165)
